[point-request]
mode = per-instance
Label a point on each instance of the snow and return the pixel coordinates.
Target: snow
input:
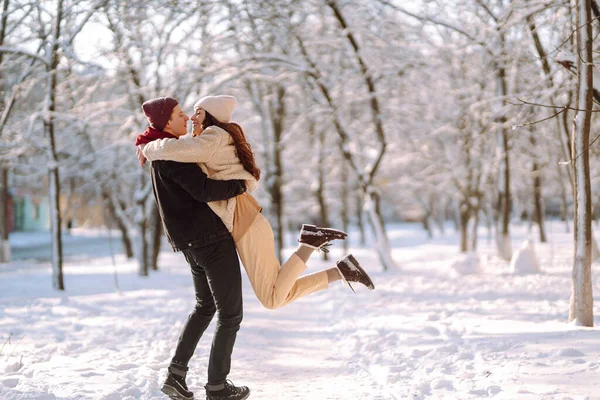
(524, 261)
(467, 264)
(425, 332)
(32, 239)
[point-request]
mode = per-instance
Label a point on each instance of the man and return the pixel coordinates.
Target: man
(181, 191)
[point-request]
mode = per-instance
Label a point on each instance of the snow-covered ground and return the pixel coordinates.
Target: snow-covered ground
(428, 331)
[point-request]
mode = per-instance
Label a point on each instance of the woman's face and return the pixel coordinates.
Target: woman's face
(197, 118)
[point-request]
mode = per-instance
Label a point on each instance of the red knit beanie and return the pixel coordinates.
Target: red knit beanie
(158, 111)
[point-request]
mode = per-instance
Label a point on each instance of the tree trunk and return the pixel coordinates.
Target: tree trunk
(504, 201)
(538, 214)
(378, 224)
(564, 203)
(581, 306)
(426, 221)
(344, 212)
(456, 216)
(382, 244)
(562, 128)
(275, 189)
(156, 236)
(464, 228)
(53, 170)
(127, 245)
(140, 221)
(504, 196)
(320, 192)
(489, 219)
(441, 217)
(567, 139)
(360, 219)
(537, 201)
(475, 214)
(427, 226)
(4, 216)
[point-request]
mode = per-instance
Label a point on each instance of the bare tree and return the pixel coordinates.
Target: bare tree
(561, 131)
(4, 217)
(497, 17)
(582, 300)
(143, 78)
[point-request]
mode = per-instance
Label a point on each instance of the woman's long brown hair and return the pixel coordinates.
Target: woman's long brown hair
(243, 148)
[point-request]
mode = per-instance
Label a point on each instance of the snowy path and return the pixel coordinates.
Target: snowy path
(425, 333)
(111, 346)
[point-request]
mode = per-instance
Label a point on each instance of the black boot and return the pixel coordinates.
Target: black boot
(175, 386)
(228, 392)
(319, 238)
(352, 272)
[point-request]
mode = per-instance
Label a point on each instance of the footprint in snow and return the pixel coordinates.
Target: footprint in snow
(123, 367)
(424, 388)
(416, 353)
(431, 330)
(579, 361)
(89, 374)
(10, 382)
(433, 317)
(493, 390)
(444, 384)
(465, 355)
(450, 348)
(479, 392)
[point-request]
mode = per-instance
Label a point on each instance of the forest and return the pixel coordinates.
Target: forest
(360, 113)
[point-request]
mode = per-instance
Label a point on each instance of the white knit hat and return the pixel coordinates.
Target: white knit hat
(220, 107)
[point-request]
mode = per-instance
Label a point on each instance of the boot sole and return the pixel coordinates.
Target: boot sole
(243, 398)
(354, 261)
(313, 228)
(173, 393)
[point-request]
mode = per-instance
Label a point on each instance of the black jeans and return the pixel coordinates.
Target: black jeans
(218, 285)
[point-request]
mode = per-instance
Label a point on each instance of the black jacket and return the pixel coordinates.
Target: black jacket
(182, 191)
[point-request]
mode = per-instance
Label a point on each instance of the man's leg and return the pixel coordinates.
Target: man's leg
(222, 269)
(203, 312)
(175, 386)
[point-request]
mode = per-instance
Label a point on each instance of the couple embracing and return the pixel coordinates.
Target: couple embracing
(201, 184)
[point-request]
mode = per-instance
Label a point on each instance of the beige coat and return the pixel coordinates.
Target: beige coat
(214, 151)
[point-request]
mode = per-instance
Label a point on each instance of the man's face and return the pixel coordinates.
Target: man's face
(197, 119)
(177, 126)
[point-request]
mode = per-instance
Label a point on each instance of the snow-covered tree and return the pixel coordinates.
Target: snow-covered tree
(58, 26)
(581, 309)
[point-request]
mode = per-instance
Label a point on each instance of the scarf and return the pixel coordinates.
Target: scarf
(151, 134)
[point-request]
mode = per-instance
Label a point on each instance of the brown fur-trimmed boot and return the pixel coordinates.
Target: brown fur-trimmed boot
(352, 272)
(319, 238)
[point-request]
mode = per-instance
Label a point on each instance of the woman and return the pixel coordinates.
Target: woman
(220, 148)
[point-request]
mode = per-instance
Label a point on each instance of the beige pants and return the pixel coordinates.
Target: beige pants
(275, 285)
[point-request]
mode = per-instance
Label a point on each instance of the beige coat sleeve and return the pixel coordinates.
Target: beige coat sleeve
(198, 149)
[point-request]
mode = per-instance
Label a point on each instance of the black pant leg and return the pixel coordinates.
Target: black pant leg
(218, 285)
(203, 311)
(224, 277)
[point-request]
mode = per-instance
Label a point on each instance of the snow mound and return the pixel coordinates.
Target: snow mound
(569, 352)
(524, 261)
(467, 265)
(9, 367)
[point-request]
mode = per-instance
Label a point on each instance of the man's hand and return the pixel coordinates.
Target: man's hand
(140, 156)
